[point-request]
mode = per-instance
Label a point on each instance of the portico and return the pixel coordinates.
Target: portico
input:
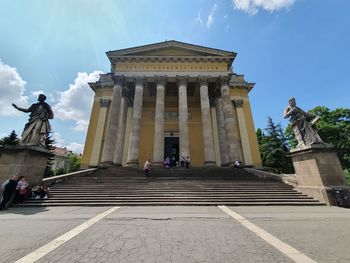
(165, 89)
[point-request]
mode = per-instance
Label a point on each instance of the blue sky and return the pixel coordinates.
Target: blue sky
(288, 48)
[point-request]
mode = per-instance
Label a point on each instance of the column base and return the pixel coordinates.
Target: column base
(106, 164)
(132, 163)
(209, 163)
(117, 164)
(158, 164)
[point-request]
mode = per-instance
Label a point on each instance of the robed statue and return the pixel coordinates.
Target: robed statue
(302, 124)
(38, 127)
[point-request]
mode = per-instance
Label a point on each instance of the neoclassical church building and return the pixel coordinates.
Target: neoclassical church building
(171, 99)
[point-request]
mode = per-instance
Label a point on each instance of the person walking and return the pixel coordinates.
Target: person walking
(147, 167)
(9, 187)
(22, 189)
(187, 162)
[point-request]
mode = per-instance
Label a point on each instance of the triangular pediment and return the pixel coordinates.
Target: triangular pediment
(171, 48)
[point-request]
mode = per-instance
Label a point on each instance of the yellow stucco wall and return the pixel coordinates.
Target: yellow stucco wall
(254, 147)
(248, 116)
(90, 134)
(146, 133)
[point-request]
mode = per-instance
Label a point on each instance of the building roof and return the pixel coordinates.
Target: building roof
(171, 44)
(62, 151)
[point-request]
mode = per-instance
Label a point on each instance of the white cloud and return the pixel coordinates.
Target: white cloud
(11, 90)
(73, 146)
(37, 93)
(58, 140)
(252, 6)
(76, 102)
(210, 20)
(199, 18)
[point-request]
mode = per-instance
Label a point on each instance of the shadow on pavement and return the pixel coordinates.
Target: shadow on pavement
(24, 210)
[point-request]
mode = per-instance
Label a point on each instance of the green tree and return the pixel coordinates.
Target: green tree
(74, 162)
(274, 148)
(12, 139)
(50, 145)
(334, 128)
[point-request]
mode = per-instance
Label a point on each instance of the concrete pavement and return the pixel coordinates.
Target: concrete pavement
(176, 234)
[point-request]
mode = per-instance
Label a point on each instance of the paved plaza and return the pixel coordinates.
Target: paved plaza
(175, 234)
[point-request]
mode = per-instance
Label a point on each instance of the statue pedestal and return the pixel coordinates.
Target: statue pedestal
(23, 160)
(318, 171)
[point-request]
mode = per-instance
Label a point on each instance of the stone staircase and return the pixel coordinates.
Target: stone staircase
(196, 186)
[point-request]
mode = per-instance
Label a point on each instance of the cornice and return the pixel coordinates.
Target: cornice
(238, 82)
(172, 43)
(105, 81)
(118, 58)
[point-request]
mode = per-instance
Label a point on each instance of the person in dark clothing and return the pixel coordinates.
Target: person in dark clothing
(9, 189)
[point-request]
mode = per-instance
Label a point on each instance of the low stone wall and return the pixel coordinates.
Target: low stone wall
(59, 178)
(286, 178)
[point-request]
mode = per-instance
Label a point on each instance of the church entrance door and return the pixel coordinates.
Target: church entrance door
(171, 147)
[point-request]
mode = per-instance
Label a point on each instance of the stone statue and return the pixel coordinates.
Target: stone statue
(301, 123)
(38, 127)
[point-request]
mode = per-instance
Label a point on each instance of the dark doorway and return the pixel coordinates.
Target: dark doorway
(171, 147)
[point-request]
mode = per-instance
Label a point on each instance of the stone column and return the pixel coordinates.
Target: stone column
(119, 146)
(247, 155)
(209, 154)
(183, 117)
(221, 132)
(133, 154)
(111, 133)
(233, 144)
(158, 149)
(96, 149)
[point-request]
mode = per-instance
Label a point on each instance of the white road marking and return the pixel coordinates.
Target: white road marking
(286, 249)
(46, 249)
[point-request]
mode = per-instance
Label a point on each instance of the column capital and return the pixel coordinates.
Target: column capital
(182, 80)
(203, 80)
(238, 103)
(139, 80)
(118, 80)
(160, 80)
(104, 103)
(224, 80)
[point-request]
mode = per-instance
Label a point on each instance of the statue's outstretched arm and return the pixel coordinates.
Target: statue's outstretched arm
(286, 113)
(21, 109)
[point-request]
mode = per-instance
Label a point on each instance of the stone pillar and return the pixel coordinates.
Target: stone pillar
(96, 149)
(119, 146)
(183, 117)
(209, 154)
(133, 154)
(232, 142)
(158, 149)
(23, 160)
(221, 132)
(247, 154)
(111, 133)
(318, 172)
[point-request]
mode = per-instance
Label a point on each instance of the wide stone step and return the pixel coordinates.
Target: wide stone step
(175, 203)
(143, 192)
(202, 186)
(175, 198)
